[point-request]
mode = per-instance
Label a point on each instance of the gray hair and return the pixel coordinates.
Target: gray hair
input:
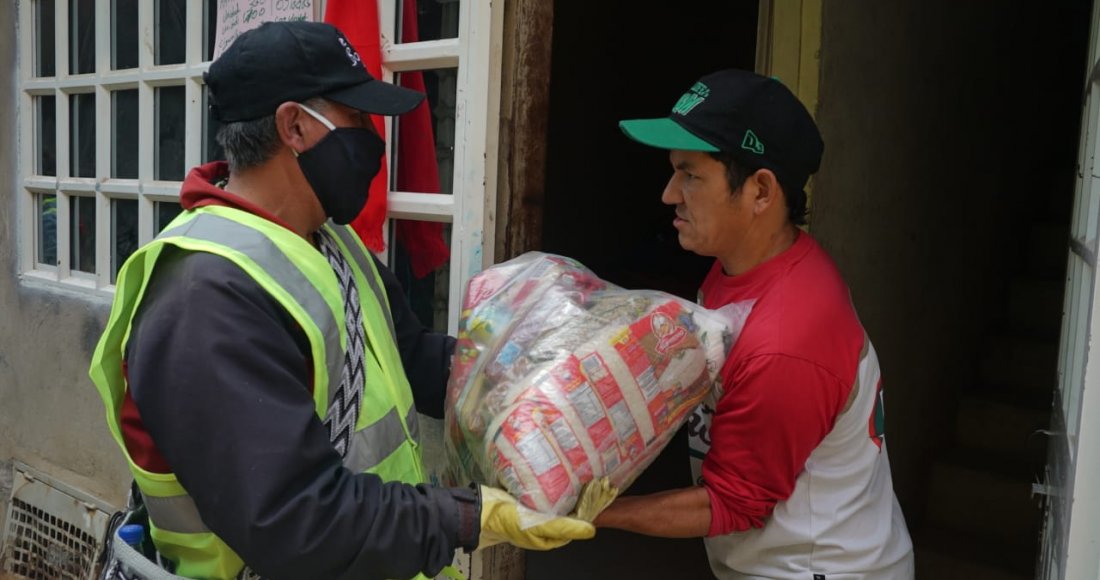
(252, 143)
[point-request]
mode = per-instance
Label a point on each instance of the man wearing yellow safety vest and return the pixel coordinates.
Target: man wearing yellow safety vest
(261, 369)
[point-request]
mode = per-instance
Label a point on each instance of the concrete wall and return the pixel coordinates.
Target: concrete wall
(50, 415)
(944, 129)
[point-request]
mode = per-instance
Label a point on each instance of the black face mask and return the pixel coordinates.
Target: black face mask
(340, 168)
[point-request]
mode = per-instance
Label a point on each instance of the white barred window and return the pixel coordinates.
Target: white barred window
(110, 123)
(113, 112)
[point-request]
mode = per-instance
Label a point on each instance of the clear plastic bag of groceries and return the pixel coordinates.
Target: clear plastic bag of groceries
(560, 377)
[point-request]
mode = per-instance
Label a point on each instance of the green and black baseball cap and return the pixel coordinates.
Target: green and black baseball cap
(752, 117)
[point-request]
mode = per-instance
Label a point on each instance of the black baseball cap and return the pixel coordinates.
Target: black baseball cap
(294, 61)
(754, 118)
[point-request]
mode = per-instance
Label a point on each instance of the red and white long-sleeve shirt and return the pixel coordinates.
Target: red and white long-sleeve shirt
(791, 450)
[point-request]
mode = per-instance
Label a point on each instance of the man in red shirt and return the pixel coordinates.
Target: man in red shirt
(793, 479)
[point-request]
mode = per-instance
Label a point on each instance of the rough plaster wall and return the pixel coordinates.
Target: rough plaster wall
(906, 200)
(50, 415)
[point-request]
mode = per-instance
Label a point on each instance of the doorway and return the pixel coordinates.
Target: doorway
(614, 61)
(944, 196)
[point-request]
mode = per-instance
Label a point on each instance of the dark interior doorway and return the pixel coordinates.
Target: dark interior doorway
(614, 61)
(944, 196)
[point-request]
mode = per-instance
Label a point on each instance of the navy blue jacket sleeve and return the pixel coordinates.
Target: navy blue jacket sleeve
(220, 375)
(426, 355)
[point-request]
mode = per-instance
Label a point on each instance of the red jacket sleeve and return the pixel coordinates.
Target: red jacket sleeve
(775, 410)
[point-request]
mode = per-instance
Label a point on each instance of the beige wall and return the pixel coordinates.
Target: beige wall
(50, 414)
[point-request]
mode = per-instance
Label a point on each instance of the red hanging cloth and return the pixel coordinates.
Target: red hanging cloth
(358, 20)
(417, 168)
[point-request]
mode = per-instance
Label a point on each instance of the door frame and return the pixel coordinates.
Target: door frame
(1071, 519)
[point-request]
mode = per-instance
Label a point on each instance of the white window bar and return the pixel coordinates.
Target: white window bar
(102, 85)
(475, 53)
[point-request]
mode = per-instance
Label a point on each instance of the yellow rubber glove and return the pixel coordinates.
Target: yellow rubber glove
(595, 497)
(500, 523)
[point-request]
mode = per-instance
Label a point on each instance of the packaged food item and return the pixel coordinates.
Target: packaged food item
(560, 378)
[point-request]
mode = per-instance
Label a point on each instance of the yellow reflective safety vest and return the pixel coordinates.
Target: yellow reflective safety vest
(301, 280)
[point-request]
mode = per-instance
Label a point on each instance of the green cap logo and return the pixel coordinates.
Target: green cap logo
(691, 99)
(752, 143)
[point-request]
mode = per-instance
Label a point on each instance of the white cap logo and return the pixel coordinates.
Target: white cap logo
(352, 55)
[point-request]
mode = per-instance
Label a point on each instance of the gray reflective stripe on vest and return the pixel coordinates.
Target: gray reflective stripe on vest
(368, 448)
(413, 423)
(273, 261)
(379, 440)
(175, 514)
(363, 261)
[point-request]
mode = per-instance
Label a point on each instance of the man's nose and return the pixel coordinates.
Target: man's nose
(671, 194)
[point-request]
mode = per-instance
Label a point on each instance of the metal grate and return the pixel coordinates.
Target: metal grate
(53, 532)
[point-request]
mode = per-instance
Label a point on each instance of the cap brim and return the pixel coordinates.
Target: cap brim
(377, 97)
(665, 134)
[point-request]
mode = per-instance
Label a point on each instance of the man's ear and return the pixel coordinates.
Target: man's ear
(290, 123)
(767, 189)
